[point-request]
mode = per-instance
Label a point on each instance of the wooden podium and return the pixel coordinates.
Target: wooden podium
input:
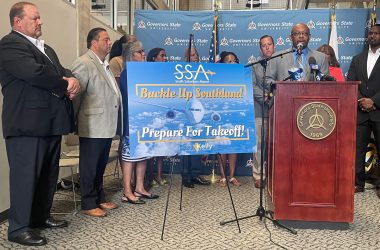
(311, 151)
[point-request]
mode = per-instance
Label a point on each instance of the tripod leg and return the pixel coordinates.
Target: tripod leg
(167, 201)
(183, 159)
(278, 224)
(229, 191)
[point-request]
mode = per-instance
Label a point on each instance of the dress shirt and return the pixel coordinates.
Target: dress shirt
(111, 78)
(372, 59)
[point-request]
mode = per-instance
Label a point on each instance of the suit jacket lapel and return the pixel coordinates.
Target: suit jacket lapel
(100, 68)
(375, 69)
(51, 58)
(363, 66)
(48, 58)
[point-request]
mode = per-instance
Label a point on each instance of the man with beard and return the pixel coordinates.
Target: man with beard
(365, 67)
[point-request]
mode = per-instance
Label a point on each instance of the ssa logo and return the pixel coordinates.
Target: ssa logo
(141, 25)
(189, 73)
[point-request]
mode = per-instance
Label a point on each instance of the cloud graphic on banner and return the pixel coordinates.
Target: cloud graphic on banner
(158, 123)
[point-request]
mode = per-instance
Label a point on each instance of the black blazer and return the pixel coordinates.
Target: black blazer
(369, 87)
(34, 102)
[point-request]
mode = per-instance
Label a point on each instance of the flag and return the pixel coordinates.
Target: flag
(373, 14)
(333, 42)
(214, 43)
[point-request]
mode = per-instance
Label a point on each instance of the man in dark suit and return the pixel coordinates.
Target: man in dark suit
(37, 110)
(365, 67)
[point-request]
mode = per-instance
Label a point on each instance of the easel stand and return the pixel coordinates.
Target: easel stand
(168, 196)
(261, 212)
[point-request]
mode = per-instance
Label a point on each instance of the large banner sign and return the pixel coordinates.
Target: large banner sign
(189, 109)
(239, 31)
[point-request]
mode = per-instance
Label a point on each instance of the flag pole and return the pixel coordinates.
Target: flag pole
(373, 14)
(333, 41)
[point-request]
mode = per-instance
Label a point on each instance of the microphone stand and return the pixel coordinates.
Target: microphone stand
(186, 157)
(260, 212)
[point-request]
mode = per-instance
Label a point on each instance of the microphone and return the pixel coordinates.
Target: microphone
(314, 68)
(295, 74)
(323, 77)
(299, 48)
(317, 74)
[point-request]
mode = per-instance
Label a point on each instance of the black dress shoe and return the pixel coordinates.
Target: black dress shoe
(188, 184)
(359, 189)
(200, 181)
(28, 238)
(54, 223)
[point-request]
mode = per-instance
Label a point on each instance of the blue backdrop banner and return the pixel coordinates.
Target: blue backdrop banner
(239, 31)
(189, 109)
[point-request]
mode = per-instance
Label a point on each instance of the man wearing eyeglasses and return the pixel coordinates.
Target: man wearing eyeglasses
(365, 67)
(279, 67)
(98, 116)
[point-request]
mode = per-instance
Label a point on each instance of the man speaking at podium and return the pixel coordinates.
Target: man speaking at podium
(278, 70)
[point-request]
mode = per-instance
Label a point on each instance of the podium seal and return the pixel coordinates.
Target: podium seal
(316, 120)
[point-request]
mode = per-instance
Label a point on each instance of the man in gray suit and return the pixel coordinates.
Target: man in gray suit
(278, 68)
(261, 105)
(98, 111)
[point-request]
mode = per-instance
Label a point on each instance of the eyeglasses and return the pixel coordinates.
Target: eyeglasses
(300, 34)
(163, 55)
(140, 51)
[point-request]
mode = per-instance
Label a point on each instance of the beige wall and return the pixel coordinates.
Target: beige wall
(61, 31)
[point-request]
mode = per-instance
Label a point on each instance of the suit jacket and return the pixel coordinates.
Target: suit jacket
(34, 103)
(278, 68)
(369, 87)
(98, 106)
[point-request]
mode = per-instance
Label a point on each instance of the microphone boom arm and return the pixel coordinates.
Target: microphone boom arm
(264, 61)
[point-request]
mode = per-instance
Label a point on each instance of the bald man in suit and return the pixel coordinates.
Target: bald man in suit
(98, 115)
(278, 68)
(37, 111)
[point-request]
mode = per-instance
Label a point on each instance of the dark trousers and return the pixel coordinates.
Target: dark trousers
(363, 135)
(190, 170)
(33, 174)
(93, 160)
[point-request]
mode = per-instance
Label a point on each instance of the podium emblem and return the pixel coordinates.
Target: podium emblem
(316, 120)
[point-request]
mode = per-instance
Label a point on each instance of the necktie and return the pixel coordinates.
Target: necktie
(299, 63)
